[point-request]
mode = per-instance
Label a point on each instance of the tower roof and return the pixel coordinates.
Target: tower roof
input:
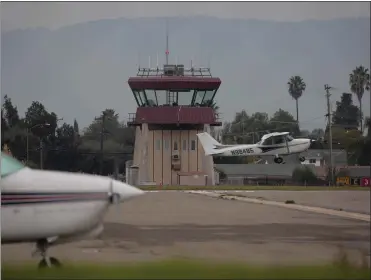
(174, 83)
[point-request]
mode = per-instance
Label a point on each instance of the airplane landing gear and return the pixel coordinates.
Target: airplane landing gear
(53, 262)
(46, 261)
(302, 159)
(278, 160)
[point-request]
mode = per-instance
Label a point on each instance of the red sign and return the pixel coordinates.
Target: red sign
(366, 182)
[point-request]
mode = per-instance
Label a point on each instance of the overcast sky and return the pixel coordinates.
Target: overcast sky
(57, 14)
(65, 60)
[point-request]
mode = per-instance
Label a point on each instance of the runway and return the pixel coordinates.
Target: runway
(163, 225)
(353, 201)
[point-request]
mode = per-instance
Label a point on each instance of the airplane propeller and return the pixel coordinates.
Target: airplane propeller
(318, 142)
(113, 197)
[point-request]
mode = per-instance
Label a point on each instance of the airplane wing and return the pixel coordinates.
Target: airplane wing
(273, 134)
(281, 133)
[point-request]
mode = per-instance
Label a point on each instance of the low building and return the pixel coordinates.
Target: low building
(316, 157)
(256, 174)
(357, 171)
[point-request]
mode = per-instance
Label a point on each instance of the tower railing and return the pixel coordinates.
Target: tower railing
(180, 72)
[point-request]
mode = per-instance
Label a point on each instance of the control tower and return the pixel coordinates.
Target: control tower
(174, 104)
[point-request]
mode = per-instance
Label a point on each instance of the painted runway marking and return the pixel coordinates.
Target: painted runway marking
(218, 191)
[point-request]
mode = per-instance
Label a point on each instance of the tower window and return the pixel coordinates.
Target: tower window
(193, 145)
(166, 144)
(184, 145)
(158, 144)
(175, 145)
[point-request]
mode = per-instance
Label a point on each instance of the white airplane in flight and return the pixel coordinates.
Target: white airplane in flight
(276, 144)
(50, 207)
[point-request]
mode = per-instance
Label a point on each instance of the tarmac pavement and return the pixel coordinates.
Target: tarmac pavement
(352, 201)
(162, 225)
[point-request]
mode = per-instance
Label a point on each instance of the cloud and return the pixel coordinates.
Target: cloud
(53, 15)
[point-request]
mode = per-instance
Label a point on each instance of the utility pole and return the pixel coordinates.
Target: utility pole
(101, 143)
(41, 153)
(27, 146)
(167, 43)
(28, 130)
(329, 124)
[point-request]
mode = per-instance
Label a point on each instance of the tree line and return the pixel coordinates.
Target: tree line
(359, 83)
(347, 123)
(41, 141)
(248, 129)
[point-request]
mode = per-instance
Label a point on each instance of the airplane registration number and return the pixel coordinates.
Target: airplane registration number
(242, 152)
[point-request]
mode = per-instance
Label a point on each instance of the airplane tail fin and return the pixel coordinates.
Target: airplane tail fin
(208, 143)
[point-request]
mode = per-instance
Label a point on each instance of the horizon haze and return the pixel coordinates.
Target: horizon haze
(79, 69)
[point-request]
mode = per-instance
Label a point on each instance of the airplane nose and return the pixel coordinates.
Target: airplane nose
(125, 191)
(309, 142)
(313, 144)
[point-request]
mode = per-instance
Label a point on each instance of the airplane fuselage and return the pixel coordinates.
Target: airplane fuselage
(50, 207)
(34, 207)
(294, 147)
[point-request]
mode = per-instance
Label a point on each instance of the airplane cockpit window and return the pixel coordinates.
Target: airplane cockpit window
(9, 165)
(267, 141)
(289, 138)
(278, 140)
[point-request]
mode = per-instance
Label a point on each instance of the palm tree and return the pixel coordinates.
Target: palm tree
(296, 88)
(215, 107)
(359, 81)
(368, 126)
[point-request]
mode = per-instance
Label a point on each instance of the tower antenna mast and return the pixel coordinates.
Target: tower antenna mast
(167, 43)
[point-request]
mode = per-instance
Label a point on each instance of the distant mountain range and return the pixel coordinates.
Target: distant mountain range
(77, 71)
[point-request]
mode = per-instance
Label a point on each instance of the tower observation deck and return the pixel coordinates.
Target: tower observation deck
(174, 104)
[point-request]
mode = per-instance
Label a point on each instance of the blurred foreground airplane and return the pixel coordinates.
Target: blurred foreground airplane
(275, 144)
(50, 207)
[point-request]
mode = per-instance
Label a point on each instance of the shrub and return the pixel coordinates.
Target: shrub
(222, 175)
(304, 175)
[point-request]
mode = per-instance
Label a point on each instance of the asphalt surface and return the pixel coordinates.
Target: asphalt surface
(352, 201)
(182, 225)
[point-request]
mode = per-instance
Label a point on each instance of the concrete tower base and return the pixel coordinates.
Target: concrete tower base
(171, 156)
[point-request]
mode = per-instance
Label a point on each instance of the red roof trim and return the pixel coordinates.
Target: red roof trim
(176, 115)
(163, 83)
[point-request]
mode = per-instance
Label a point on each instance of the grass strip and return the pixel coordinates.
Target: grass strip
(185, 269)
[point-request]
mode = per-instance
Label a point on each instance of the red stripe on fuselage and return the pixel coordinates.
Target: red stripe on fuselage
(49, 197)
